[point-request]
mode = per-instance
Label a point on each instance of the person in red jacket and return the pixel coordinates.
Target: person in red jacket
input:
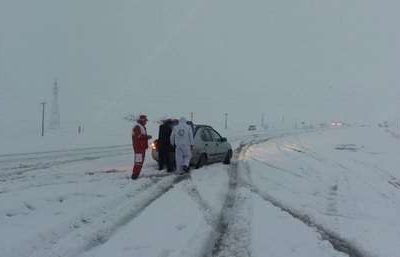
(140, 144)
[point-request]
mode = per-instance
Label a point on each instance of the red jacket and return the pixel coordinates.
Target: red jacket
(139, 138)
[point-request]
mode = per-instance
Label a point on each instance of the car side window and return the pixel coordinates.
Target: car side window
(214, 135)
(205, 135)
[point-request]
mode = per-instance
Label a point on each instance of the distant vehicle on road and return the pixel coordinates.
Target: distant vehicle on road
(209, 147)
(336, 124)
(385, 124)
(252, 128)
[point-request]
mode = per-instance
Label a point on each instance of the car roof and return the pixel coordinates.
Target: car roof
(202, 125)
(199, 126)
(195, 126)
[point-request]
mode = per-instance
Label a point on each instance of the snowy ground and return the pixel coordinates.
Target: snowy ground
(322, 193)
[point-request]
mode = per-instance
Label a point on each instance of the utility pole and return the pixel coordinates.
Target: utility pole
(43, 107)
(191, 116)
(226, 120)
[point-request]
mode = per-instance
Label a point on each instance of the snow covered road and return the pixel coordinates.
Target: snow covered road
(326, 193)
(344, 183)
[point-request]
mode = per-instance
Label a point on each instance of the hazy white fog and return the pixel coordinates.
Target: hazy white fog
(308, 60)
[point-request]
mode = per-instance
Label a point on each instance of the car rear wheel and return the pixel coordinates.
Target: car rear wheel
(228, 157)
(202, 161)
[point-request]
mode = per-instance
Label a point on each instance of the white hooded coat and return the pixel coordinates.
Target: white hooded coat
(182, 138)
(182, 134)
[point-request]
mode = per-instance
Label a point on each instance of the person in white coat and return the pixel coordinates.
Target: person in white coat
(182, 139)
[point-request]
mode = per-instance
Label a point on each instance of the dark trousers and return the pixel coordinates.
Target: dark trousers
(165, 159)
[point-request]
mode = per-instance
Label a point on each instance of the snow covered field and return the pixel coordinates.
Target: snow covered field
(324, 193)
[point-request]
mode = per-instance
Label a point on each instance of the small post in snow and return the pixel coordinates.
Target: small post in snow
(263, 121)
(43, 107)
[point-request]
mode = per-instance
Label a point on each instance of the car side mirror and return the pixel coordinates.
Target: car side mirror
(223, 139)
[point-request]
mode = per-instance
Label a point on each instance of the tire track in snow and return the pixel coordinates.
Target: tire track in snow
(102, 229)
(338, 243)
(209, 214)
(97, 226)
(52, 179)
(233, 226)
(7, 158)
(18, 172)
(230, 240)
(45, 239)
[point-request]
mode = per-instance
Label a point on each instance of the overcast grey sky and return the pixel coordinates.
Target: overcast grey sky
(307, 60)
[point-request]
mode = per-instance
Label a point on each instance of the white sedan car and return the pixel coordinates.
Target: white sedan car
(209, 147)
